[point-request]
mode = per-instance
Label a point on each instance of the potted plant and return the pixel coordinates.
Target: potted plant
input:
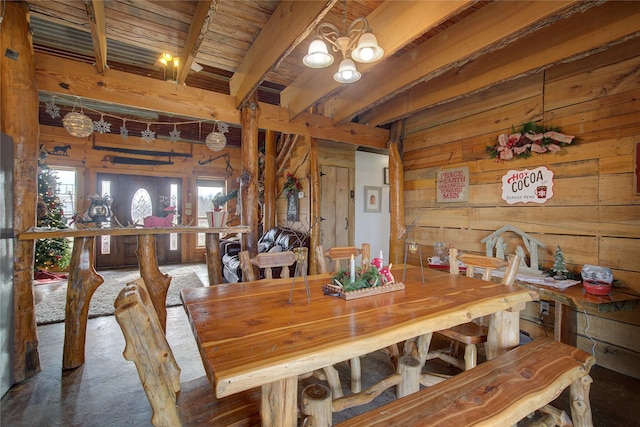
(217, 218)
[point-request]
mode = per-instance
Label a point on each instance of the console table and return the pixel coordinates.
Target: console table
(84, 280)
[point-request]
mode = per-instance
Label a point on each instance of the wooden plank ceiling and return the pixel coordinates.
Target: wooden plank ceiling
(244, 46)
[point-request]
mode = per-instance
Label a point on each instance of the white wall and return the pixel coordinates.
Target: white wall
(370, 227)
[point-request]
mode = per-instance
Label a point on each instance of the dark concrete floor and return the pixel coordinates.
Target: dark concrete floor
(106, 390)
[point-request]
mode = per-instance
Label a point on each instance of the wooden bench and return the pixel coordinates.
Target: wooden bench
(499, 392)
(174, 404)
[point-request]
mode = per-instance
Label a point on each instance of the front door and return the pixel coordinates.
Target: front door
(133, 198)
(334, 209)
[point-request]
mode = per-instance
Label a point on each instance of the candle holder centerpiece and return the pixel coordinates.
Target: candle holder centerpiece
(362, 282)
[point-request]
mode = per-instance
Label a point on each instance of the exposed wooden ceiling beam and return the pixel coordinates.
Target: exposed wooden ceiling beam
(97, 23)
(560, 42)
(288, 26)
(72, 78)
(197, 31)
(395, 24)
(480, 33)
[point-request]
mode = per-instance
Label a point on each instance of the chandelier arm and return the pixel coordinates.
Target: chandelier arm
(358, 27)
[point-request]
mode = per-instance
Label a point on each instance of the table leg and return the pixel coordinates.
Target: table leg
(279, 403)
(504, 332)
(214, 264)
(157, 284)
(83, 282)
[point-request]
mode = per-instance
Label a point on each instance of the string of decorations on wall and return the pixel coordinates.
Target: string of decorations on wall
(530, 138)
(78, 124)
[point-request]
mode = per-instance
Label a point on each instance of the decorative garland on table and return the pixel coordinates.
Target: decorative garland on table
(371, 277)
(530, 138)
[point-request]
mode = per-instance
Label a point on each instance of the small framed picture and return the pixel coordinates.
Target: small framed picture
(372, 199)
(385, 175)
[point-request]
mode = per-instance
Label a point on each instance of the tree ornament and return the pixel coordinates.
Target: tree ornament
(559, 266)
(148, 135)
(101, 126)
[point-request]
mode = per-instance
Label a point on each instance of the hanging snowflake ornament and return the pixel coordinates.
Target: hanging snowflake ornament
(223, 127)
(102, 126)
(52, 109)
(148, 135)
(124, 132)
(174, 135)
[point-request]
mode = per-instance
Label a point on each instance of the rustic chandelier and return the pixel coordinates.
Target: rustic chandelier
(357, 39)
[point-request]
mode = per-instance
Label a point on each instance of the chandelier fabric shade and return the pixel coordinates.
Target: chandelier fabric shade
(347, 72)
(358, 44)
(318, 56)
(77, 124)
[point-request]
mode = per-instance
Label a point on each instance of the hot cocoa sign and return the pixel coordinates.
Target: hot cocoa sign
(526, 186)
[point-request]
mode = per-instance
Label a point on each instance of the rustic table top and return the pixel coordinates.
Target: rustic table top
(248, 335)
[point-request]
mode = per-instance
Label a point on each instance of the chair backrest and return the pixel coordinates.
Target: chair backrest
(341, 253)
(147, 347)
(487, 263)
(266, 261)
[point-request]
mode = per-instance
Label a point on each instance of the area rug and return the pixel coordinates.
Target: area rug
(52, 308)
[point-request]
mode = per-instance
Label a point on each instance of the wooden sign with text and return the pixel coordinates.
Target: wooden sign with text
(453, 185)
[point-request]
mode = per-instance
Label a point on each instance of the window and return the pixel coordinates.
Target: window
(66, 191)
(141, 206)
(207, 188)
(105, 241)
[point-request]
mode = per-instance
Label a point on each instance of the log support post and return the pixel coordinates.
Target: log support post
(157, 284)
(249, 178)
(315, 197)
(19, 119)
(214, 262)
(283, 396)
(83, 282)
(409, 367)
(316, 406)
(269, 211)
(396, 194)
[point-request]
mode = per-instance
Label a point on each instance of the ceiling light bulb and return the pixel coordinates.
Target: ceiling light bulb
(318, 56)
(176, 62)
(163, 61)
(368, 49)
(167, 57)
(347, 72)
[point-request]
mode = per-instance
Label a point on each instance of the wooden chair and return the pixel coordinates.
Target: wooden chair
(475, 332)
(174, 404)
(339, 253)
(267, 261)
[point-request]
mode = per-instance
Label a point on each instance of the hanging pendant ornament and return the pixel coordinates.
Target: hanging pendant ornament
(124, 132)
(148, 135)
(102, 126)
(216, 141)
(174, 135)
(52, 109)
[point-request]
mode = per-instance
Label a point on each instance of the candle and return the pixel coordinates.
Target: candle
(353, 269)
(381, 257)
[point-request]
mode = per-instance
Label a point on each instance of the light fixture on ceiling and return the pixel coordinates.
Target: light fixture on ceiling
(216, 140)
(168, 60)
(77, 124)
(357, 39)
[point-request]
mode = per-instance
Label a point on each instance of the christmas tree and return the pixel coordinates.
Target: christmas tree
(51, 252)
(559, 266)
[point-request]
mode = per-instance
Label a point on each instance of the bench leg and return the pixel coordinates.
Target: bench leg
(580, 404)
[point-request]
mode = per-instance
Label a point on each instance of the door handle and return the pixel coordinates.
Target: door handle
(346, 220)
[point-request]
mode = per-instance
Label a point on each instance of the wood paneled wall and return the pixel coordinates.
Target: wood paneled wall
(89, 162)
(594, 215)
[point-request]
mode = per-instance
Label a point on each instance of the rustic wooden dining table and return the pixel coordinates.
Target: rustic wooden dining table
(249, 335)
